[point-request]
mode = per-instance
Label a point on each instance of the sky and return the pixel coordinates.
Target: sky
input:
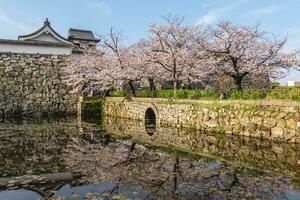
(132, 17)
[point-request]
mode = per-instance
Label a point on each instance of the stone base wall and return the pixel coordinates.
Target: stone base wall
(274, 120)
(32, 85)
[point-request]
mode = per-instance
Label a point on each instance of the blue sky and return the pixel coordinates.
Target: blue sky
(18, 17)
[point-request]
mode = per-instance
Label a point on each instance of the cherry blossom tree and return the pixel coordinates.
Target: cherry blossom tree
(92, 68)
(183, 54)
(150, 71)
(241, 51)
(109, 67)
(170, 48)
(125, 59)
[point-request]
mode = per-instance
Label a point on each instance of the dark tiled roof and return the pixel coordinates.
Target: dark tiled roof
(82, 35)
(38, 43)
(46, 23)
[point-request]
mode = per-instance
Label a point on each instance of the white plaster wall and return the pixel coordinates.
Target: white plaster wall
(46, 37)
(31, 49)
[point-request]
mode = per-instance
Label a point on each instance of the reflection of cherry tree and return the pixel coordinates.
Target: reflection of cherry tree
(240, 51)
(165, 176)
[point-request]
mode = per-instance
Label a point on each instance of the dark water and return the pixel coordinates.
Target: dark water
(65, 159)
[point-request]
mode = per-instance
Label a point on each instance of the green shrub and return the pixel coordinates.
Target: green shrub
(285, 92)
(254, 94)
(181, 94)
(146, 93)
(248, 94)
(296, 96)
(203, 94)
(194, 94)
(291, 93)
(236, 95)
(275, 84)
(119, 93)
(209, 95)
(278, 94)
(164, 93)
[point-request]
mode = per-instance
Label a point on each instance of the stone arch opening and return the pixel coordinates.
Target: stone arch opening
(150, 121)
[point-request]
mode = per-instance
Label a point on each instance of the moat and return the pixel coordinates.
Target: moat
(123, 159)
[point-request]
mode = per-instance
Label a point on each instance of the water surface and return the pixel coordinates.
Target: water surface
(64, 159)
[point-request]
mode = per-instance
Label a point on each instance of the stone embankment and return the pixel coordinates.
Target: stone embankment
(32, 85)
(274, 120)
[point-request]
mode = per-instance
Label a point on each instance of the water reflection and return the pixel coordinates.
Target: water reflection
(252, 152)
(150, 121)
(82, 161)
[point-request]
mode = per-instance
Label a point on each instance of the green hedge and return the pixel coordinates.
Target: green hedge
(180, 94)
(292, 93)
(250, 94)
(119, 93)
(279, 92)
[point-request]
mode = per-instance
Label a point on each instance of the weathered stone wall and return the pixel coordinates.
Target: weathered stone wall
(32, 85)
(275, 120)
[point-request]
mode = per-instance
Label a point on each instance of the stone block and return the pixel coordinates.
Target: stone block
(291, 123)
(270, 122)
(257, 120)
(213, 115)
(245, 121)
(281, 123)
(212, 123)
(277, 132)
(277, 149)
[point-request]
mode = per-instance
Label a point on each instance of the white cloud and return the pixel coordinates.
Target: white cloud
(101, 7)
(264, 11)
(6, 20)
(207, 19)
(213, 15)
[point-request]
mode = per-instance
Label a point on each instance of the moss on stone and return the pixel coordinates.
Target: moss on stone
(93, 108)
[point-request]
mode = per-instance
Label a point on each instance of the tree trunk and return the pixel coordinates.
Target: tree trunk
(151, 84)
(91, 92)
(175, 77)
(222, 96)
(130, 83)
(174, 88)
(176, 172)
(238, 83)
(106, 93)
(53, 177)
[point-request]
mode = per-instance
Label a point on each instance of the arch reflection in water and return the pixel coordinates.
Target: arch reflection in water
(150, 121)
